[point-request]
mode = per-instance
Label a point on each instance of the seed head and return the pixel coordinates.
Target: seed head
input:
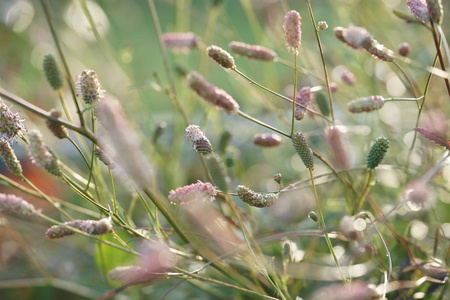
(403, 49)
(313, 216)
(302, 100)
(256, 199)
(366, 104)
(419, 9)
(104, 158)
(293, 31)
(212, 94)
(41, 155)
(267, 139)
(193, 192)
(377, 152)
(322, 25)
(89, 87)
(302, 149)
(252, 51)
(379, 51)
(277, 177)
(221, 57)
(60, 131)
(10, 124)
(435, 10)
(334, 138)
(14, 204)
(198, 140)
(91, 227)
(51, 72)
(356, 37)
(180, 41)
(10, 159)
(348, 77)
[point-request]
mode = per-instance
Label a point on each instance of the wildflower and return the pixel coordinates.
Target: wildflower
(14, 204)
(212, 94)
(339, 33)
(292, 28)
(419, 9)
(322, 25)
(198, 139)
(10, 159)
(60, 131)
(10, 124)
(125, 273)
(356, 37)
(334, 87)
(252, 51)
(277, 177)
(348, 77)
(221, 57)
(302, 100)
(104, 158)
(334, 137)
(415, 195)
(267, 140)
(379, 51)
(302, 149)
(91, 227)
(256, 199)
(180, 41)
(366, 104)
(41, 155)
(193, 192)
(435, 10)
(403, 49)
(51, 72)
(89, 87)
(377, 152)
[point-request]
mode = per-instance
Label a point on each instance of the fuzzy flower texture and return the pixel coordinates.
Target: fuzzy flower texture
(252, 51)
(293, 30)
(303, 99)
(198, 139)
(366, 104)
(10, 124)
(256, 199)
(41, 155)
(377, 152)
(90, 227)
(10, 158)
(193, 192)
(89, 87)
(14, 204)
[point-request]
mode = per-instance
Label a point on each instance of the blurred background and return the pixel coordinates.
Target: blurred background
(127, 58)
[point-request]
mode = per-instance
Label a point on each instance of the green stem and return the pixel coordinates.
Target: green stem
(294, 101)
(262, 123)
(325, 70)
(437, 42)
(64, 106)
(364, 193)
(324, 227)
(403, 99)
(79, 151)
(113, 190)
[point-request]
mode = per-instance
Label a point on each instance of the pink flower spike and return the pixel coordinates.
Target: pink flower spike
(193, 192)
(293, 30)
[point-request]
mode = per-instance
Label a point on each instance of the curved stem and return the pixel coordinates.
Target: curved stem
(248, 117)
(365, 191)
(79, 151)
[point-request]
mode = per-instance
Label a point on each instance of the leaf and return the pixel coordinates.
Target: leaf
(436, 138)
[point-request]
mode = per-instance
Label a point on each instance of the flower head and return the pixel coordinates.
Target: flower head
(435, 10)
(212, 94)
(256, 199)
(301, 147)
(377, 152)
(356, 37)
(89, 87)
(252, 51)
(267, 139)
(52, 72)
(10, 159)
(419, 9)
(41, 155)
(334, 138)
(193, 192)
(60, 131)
(14, 204)
(91, 227)
(403, 49)
(348, 77)
(221, 57)
(366, 104)
(198, 139)
(303, 99)
(292, 29)
(10, 124)
(180, 41)
(104, 158)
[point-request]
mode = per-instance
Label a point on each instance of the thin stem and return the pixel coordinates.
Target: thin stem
(325, 70)
(64, 106)
(79, 151)
(52, 26)
(437, 43)
(324, 227)
(162, 48)
(294, 101)
(46, 115)
(403, 99)
(262, 123)
(412, 86)
(365, 191)
(113, 190)
(279, 95)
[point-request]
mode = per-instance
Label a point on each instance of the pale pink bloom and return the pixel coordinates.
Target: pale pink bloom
(193, 192)
(293, 31)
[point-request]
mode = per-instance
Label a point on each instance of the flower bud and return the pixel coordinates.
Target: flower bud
(252, 51)
(10, 124)
(435, 10)
(293, 32)
(51, 72)
(348, 77)
(322, 25)
(403, 49)
(180, 41)
(104, 158)
(89, 87)
(14, 204)
(302, 100)
(366, 104)
(302, 149)
(267, 139)
(256, 199)
(313, 216)
(60, 131)
(334, 138)
(10, 158)
(377, 152)
(277, 177)
(198, 140)
(221, 57)
(379, 51)
(193, 192)
(419, 9)
(212, 94)
(90, 227)
(356, 37)
(41, 155)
